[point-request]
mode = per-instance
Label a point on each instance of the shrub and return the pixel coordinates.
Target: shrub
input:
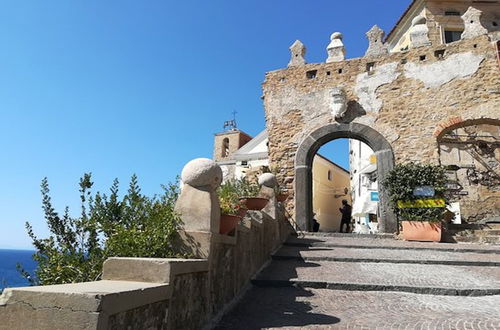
(229, 197)
(401, 182)
(133, 226)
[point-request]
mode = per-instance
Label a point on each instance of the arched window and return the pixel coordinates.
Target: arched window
(329, 175)
(225, 147)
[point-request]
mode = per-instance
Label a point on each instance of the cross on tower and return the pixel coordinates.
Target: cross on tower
(231, 124)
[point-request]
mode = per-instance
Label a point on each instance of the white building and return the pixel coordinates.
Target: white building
(364, 187)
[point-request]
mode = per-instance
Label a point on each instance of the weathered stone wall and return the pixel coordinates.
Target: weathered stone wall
(404, 96)
(152, 316)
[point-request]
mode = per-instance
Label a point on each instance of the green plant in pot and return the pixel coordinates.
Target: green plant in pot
(232, 208)
(417, 196)
(248, 192)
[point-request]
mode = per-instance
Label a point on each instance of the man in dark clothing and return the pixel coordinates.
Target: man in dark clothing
(315, 224)
(346, 216)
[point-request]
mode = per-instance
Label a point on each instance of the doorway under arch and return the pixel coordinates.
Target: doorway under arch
(303, 169)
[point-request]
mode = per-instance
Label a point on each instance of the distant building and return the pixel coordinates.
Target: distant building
(331, 185)
(364, 187)
(443, 21)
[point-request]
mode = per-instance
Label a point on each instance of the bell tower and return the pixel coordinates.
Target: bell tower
(229, 141)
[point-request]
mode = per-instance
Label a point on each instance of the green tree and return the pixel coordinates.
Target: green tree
(132, 226)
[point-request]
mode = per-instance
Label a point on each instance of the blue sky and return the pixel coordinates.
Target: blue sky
(120, 87)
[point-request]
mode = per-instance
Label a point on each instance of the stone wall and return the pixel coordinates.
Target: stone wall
(404, 96)
(155, 293)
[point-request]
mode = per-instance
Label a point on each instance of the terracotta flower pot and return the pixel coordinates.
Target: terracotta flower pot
(228, 223)
(282, 197)
(422, 231)
(255, 203)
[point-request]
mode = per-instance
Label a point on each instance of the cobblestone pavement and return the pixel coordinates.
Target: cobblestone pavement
(431, 276)
(297, 308)
(367, 295)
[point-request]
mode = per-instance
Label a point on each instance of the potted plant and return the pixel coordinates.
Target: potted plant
(232, 209)
(249, 192)
(417, 196)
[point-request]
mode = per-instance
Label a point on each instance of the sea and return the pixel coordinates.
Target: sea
(9, 275)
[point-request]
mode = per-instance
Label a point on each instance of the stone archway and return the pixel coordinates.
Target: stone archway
(303, 169)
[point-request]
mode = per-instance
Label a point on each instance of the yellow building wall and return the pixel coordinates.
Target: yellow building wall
(328, 194)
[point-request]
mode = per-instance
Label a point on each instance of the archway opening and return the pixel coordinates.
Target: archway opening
(470, 150)
(345, 188)
(382, 156)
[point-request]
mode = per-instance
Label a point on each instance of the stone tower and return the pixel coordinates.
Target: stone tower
(227, 143)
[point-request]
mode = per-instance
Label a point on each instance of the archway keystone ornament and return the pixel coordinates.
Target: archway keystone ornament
(303, 169)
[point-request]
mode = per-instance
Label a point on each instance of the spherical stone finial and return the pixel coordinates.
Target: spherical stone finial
(336, 35)
(268, 180)
(202, 172)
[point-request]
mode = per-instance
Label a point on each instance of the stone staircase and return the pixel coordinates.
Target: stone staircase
(473, 233)
(331, 281)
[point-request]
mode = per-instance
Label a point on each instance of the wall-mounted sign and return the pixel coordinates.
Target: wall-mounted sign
(422, 203)
(424, 191)
(460, 193)
(453, 186)
(374, 196)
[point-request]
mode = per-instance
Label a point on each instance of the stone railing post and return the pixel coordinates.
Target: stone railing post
(472, 24)
(335, 49)
(198, 205)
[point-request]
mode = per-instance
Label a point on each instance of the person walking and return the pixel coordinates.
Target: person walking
(346, 211)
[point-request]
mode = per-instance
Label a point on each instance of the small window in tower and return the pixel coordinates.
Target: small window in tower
(329, 175)
(452, 36)
(225, 147)
(452, 13)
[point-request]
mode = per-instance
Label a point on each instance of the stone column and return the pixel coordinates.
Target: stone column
(472, 23)
(335, 49)
(198, 205)
(376, 45)
(298, 51)
(385, 163)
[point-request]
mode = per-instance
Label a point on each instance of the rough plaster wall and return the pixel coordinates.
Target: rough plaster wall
(367, 84)
(439, 73)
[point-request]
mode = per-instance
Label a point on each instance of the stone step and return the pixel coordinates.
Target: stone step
(495, 240)
(378, 255)
(364, 276)
(370, 243)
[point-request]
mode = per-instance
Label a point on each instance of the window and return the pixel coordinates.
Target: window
(225, 147)
(311, 74)
(451, 36)
(329, 175)
(452, 13)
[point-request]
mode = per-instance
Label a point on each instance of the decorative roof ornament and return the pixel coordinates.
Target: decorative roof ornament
(335, 49)
(376, 46)
(473, 25)
(298, 52)
(419, 32)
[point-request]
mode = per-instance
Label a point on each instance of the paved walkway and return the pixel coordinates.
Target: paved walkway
(364, 283)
